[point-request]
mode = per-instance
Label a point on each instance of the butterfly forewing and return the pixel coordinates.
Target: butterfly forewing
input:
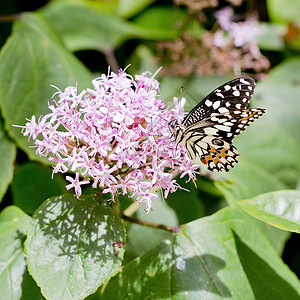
(234, 94)
(208, 130)
(226, 126)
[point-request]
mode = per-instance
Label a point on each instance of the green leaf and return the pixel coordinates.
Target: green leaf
(285, 74)
(8, 154)
(129, 8)
(13, 225)
(70, 246)
(268, 162)
(33, 184)
(247, 180)
(272, 149)
(279, 94)
(32, 59)
(186, 203)
(259, 168)
(141, 238)
(277, 237)
(282, 11)
(157, 25)
(271, 36)
(84, 28)
(280, 209)
(141, 60)
(217, 257)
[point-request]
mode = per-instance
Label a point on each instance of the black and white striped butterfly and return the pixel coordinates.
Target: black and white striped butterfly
(209, 128)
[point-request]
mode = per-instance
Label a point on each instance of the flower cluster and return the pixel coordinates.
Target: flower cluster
(240, 33)
(197, 5)
(114, 136)
(229, 46)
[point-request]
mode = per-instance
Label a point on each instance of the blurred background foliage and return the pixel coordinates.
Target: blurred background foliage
(200, 45)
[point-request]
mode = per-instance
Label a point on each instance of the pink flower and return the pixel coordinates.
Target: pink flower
(115, 136)
(240, 32)
(224, 17)
(75, 183)
(244, 32)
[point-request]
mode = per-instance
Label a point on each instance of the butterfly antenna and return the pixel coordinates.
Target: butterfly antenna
(163, 118)
(159, 117)
(161, 127)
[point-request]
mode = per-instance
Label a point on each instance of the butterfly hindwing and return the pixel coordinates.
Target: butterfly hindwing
(214, 152)
(234, 94)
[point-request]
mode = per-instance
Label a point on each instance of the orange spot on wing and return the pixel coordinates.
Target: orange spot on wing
(223, 153)
(218, 155)
(204, 160)
(246, 118)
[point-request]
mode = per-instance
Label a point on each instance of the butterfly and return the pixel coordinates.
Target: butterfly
(209, 128)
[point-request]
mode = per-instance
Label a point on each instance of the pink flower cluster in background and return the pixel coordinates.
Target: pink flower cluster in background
(240, 33)
(114, 136)
(228, 45)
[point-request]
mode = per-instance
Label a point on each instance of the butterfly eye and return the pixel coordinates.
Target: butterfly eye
(173, 124)
(218, 142)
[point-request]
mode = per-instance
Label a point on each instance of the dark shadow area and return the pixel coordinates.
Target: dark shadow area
(264, 281)
(291, 253)
(30, 290)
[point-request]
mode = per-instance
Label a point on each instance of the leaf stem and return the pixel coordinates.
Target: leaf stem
(150, 224)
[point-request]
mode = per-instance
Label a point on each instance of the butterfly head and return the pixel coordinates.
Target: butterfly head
(173, 124)
(177, 130)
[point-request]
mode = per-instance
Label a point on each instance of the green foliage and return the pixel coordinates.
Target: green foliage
(73, 246)
(129, 8)
(215, 257)
(70, 248)
(279, 209)
(32, 185)
(286, 13)
(271, 36)
(140, 238)
(13, 225)
(83, 28)
(41, 61)
(7, 158)
(282, 11)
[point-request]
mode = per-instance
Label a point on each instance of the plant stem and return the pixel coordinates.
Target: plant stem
(9, 18)
(116, 204)
(150, 224)
(132, 208)
(111, 59)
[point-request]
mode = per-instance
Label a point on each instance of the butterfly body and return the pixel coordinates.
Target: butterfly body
(209, 128)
